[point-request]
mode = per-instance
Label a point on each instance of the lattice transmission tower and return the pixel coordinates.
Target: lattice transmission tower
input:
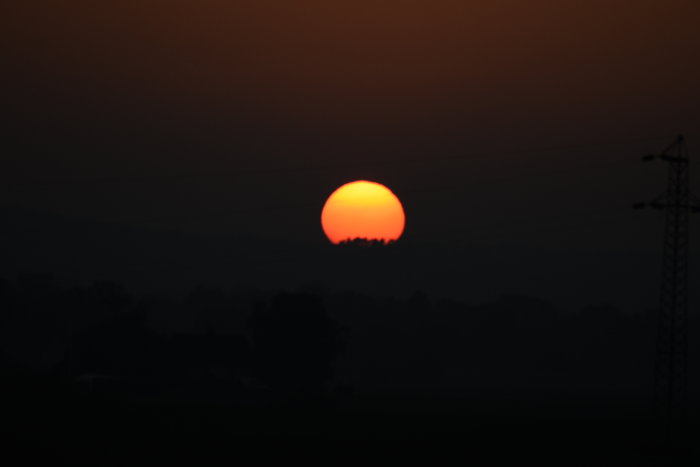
(671, 366)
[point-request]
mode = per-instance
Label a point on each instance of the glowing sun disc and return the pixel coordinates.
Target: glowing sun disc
(363, 209)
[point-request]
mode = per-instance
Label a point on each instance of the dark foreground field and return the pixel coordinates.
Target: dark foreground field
(68, 426)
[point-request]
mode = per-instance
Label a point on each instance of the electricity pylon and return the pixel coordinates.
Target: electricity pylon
(670, 373)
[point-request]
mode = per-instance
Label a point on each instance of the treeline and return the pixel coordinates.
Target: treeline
(100, 339)
(254, 346)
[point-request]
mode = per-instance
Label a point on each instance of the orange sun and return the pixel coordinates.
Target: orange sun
(365, 210)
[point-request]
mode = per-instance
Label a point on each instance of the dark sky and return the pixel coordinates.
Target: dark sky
(511, 131)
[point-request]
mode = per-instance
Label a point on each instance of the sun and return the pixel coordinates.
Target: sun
(365, 210)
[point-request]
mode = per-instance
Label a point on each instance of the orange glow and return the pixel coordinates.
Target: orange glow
(363, 209)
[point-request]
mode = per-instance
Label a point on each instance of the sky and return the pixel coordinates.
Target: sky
(512, 132)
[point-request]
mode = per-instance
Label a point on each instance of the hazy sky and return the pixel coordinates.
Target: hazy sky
(503, 125)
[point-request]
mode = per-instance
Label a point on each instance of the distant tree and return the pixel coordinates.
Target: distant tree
(295, 343)
(366, 243)
(92, 306)
(209, 307)
(120, 346)
(30, 332)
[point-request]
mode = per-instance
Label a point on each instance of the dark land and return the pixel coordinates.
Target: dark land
(94, 375)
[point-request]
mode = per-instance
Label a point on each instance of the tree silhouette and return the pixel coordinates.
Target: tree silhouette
(119, 347)
(366, 242)
(295, 343)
